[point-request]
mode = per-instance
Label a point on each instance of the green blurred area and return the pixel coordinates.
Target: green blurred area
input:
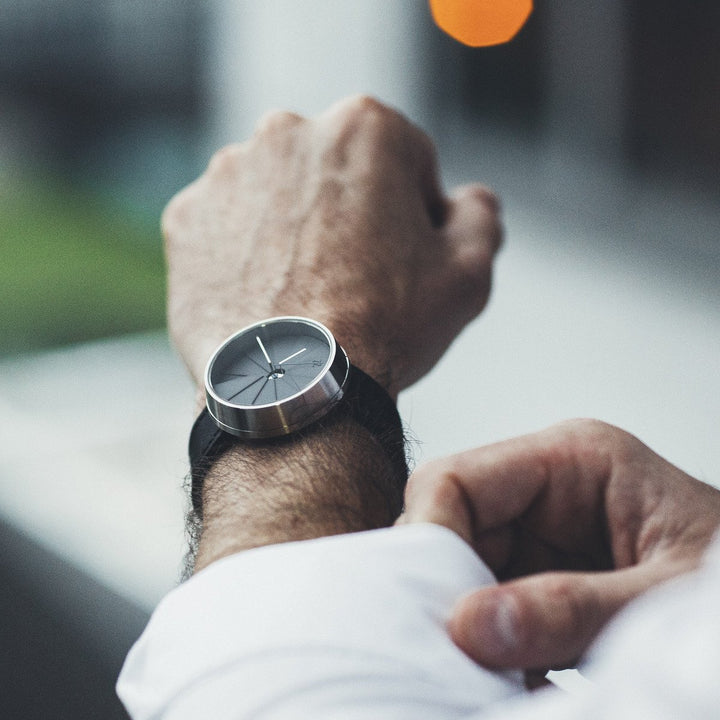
(74, 267)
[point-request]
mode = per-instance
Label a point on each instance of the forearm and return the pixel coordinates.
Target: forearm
(333, 478)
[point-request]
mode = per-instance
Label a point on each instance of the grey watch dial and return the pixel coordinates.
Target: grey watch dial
(274, 377)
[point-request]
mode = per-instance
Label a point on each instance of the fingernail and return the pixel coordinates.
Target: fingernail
(505, 623)
(486, 627)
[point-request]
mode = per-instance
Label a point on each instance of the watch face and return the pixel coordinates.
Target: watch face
(270, 362)
(282, 365)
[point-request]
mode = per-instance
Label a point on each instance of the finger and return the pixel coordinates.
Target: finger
(553, 480)
(435, 495)
(479, 489)
(439, 498)
(473, 233)
(543, 621)
(473, 221)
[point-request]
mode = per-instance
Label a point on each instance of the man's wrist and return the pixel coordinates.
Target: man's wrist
(331, 478)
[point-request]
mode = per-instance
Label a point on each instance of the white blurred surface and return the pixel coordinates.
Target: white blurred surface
(93, 438)
(583, 323)
(92, 460)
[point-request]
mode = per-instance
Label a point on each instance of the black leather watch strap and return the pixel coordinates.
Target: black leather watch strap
(364, 400)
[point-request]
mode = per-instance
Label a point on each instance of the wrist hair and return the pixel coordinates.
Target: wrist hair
(330, 478)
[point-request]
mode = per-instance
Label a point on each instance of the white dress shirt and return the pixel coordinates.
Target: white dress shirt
(353, 626)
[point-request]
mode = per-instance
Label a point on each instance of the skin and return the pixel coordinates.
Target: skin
(575, 521)
(340, 218)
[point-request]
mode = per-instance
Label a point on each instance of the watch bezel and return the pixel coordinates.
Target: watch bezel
(289, 414)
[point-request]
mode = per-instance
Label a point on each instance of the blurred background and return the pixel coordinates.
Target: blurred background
(598, 125)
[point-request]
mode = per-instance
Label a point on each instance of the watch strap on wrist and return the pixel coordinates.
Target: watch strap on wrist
(207, 443)
(364, 401)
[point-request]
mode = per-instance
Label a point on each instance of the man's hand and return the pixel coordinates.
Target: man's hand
(576, 521)
(339, 218)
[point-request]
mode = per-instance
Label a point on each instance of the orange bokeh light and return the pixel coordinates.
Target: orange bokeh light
(481, 22)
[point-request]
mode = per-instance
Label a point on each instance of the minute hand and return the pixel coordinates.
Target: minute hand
(290, 357)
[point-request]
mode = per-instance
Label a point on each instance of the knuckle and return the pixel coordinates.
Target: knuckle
(431, 480)
(225, 160)
(600, 435)
(369, 115)
(176, 211)
(438, 486)
(579, 433)
(385, 130)
(277, 121)
(446, 488)
(578, 443)
(482, 195)
(592, 428)
(366, 105)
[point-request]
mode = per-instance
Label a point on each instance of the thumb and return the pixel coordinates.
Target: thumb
(543, 621)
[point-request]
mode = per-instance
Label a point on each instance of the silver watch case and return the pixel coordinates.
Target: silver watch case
(290, 414)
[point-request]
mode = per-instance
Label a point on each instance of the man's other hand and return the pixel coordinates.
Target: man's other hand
(575, 521)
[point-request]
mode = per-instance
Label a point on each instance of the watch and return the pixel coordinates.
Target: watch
(277, 377)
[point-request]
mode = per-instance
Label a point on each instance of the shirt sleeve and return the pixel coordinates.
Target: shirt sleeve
(349, 626)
